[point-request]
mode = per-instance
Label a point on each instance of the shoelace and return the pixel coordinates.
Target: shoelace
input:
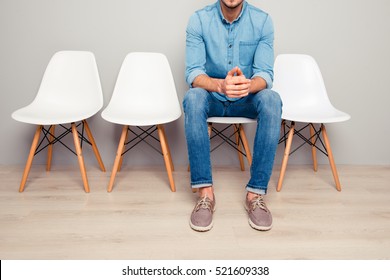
(258, 202)
(204, 203)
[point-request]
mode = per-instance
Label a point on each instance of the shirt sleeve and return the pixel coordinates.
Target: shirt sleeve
(195, 50)
(264, 55)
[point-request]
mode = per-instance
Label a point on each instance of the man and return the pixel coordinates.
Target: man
(229, 68)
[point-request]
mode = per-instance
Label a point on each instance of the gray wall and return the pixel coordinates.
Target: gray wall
(349, 39)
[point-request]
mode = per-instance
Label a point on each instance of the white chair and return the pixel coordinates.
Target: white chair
(298, 80)
(240, 143)
(70, 92)
(144, 95)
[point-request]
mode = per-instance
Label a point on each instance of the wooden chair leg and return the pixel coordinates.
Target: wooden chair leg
(30, 158)
(330, 157)
(50, 148)
(246, 145)
(118, 157)
(122, 155)
(168, 150)
(94, 146)
(285, 157)
(124, 145)
(80, 157)
(167, 159)
(236, 129)
(313, 148)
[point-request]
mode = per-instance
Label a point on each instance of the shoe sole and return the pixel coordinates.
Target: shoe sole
(260, 228)
(201, 229)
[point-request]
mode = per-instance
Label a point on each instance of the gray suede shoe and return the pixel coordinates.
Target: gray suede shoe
(202, 215)
(260, 217)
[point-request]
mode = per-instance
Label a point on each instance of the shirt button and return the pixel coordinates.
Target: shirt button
(230, 62)
(230, 46)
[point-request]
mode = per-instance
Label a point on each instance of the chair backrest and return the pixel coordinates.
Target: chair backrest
(72, 79)
(146, 90)
(298, 80)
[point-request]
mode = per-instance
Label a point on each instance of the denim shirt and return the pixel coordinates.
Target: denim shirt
(214, 46)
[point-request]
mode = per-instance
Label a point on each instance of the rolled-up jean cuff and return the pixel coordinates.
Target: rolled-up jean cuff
(258, 191)
(201, 185)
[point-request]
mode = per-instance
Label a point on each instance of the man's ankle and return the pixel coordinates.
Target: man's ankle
(251, 195)
(207, 191)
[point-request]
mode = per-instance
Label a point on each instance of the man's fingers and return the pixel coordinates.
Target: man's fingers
(239, 72)
(240, 80)
(237, 94)
(236, 70)
(236, 84)
(237, 89)
(232, 72)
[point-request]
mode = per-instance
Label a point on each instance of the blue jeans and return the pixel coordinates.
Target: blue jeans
(265, 106)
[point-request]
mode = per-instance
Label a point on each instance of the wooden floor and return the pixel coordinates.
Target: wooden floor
(142, 219)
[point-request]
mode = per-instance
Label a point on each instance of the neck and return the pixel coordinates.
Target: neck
(231, 13)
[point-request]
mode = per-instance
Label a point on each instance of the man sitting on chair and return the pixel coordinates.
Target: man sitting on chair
(229, 68)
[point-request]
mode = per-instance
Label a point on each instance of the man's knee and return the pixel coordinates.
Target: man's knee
(194, 99)
(269, 100)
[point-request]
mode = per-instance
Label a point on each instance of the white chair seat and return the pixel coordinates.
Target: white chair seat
(314, 114)
(52, 114)
(124, 115)
(230, 120)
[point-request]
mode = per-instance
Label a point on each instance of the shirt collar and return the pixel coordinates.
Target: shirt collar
(223, 18)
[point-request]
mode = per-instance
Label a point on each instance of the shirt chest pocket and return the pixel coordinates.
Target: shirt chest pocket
(247, 52)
